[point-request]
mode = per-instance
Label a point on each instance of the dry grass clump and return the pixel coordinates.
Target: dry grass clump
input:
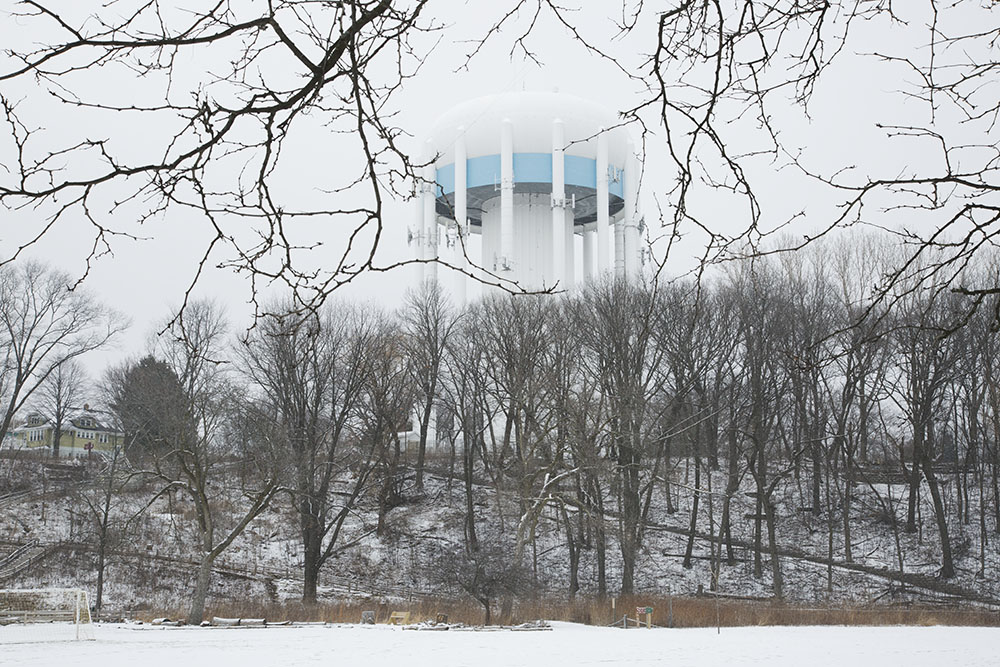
(695, 612)
(687, 612)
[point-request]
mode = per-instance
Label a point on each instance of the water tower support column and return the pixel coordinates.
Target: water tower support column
(569, 238)
(619, 248)
(558, 277)
(631, 215)
(461, 217)
(588, 254)
(428, 235)
(417, 231)
(603, 231)
(505, 268)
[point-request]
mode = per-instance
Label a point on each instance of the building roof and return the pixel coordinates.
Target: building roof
(531, 114)
(81, 419)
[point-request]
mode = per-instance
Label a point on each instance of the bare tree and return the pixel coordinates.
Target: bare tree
(760, 310)
(197, 399)
(384, 408)
(724, 86)
(102, 501)
(104, 496)
(428, 320)
(219, 137)
(58, 395)
(312, 372)
(43, 325)
(927, 365)
(860, 360)
(107, 499)
(586, 421)
(465, 394)
(485, 574)
(694, 328)
(615, 325)
(522, 367)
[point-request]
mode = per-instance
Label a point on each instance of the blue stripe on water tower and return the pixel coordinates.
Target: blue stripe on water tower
(528, 168)
(532, 167)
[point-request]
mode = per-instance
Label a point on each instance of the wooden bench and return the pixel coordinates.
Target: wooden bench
(399, 618)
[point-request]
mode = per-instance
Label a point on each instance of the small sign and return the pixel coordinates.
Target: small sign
(644, 610)
(89, 446)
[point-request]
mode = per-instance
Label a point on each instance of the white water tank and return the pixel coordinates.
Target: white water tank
(530, 172)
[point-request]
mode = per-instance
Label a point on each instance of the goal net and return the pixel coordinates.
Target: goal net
(40, 615)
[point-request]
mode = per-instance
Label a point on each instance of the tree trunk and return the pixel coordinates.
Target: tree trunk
(630, 514)
(425, 420)
(947, 566)
(197, 613)
(913, 477)
(995, 478)
(693, 526)
(848, 553)
(601, 544)
(713, 434)
(725, 533)
(600, 540)
(101, 559)
(573, 546)
(863, 410)
(817, 476)
(849, 474)
(594, 519)
(982, 515)
(732, 485)
(468, 466)
(487, 618)
(666, 478)
(387, 495)
(628, 571)
(776, 579)
(761, 470)
(310, 556)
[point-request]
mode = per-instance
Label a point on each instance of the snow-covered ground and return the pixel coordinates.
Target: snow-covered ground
(567, 644)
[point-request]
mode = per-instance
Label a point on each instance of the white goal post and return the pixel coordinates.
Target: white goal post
(44, 614)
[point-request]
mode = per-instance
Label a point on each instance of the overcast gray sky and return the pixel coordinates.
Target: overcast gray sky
(145, 279)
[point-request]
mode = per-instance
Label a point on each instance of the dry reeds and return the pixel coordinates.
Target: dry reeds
(679, 612)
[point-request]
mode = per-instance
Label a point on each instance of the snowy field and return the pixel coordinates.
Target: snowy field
(566, 645)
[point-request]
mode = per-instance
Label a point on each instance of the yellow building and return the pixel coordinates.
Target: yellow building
(82, 433)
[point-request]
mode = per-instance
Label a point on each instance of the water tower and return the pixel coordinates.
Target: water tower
(530, 172)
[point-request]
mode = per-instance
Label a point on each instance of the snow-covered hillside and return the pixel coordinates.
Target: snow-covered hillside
(153, 566)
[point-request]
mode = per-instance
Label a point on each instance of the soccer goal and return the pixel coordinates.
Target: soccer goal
(46, 614)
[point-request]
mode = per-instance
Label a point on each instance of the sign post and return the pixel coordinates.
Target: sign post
(648, 613)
